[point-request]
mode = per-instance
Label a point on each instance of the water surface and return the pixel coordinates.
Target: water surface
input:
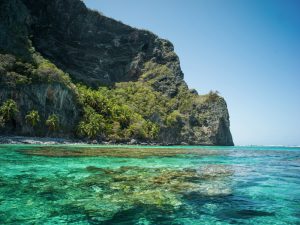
(162, 185)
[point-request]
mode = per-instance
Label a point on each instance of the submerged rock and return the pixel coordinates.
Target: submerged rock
(212, 171)
(216, 188)
(163, 188)
(123, 152)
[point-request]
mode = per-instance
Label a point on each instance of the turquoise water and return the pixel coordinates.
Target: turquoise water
(208, 185)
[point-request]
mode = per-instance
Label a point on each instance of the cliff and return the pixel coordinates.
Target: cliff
(104, 80)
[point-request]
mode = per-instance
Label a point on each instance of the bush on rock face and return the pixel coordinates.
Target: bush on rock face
(8, 111)
(53, 122)
(213, 96)
(2, 121)
(14, 71)
(32, 118)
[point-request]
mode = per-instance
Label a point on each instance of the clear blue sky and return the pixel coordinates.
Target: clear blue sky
(248, 50)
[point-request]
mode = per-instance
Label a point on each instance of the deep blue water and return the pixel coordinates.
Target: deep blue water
(207, 185)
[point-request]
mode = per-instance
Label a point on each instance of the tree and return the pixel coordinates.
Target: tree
(2, 121)
(32, 118)
(174, 118)
(122, 115)
(52, 122)
(93, 124)
(8, 110)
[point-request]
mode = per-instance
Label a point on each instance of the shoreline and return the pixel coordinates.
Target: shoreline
(61, 141)
(7, 139)
(38, 140)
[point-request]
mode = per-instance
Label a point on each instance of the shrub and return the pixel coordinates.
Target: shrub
(2, 121)
(32, 118)
(153, 70)
(15, 71)
(47, 71)
(213, 96)
(53, 122)
(8, 110)
(119, 113)
(173, 118)
(122, 115)
(93, 124)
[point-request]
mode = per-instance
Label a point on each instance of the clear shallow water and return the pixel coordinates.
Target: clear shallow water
(208, 185)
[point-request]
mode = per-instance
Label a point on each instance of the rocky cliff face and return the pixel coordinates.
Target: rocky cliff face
(48, 99)
(96, 51)
(93, 48)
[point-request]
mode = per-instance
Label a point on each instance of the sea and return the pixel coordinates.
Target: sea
(95, 184)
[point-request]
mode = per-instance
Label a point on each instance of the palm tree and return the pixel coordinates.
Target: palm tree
(2, 121)
(32, 118)
(52, 122)
(8, 110)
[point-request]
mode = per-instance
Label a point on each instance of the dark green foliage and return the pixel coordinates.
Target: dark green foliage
(32, 118)
(122, 114)
(2, 121)
(93, 124)
(48, 72)
(8, 111)
(129, 110)
(143, 129)
(14, 71)
(135, 110)
(143, 99)
(174, 118)
(106, 115)
(53, 122)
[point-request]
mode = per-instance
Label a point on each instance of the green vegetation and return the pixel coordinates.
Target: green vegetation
(48, 72)
(8, 111)
(154, 71)
(134, 110)
(53, 122)
(2, 121)
(141, 97)
(32, 118)
(14, 71)
(107, 116)
(93, 124)
(213, 96)
(128, 110)
(174, 118)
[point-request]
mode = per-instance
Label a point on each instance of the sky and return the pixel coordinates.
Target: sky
(248, 50)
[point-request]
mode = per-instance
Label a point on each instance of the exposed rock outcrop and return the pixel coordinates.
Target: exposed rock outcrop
(92, 48)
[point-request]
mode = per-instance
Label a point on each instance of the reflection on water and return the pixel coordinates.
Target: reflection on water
(181, 185)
